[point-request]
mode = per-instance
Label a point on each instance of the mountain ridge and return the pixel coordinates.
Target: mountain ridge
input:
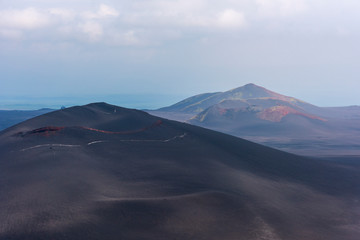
(200, 102)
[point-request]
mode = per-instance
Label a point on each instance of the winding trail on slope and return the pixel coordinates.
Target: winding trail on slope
(103, 141)
(157, 123)
(49, 145)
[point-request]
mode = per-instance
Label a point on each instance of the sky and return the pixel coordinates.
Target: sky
(152, 53)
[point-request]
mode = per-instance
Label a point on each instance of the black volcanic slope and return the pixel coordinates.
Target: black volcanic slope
(105, 172)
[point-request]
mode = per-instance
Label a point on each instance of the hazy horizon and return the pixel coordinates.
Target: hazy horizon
(137, 101)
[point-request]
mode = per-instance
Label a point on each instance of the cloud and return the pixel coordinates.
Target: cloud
(63, 14)
(130, 38)
(11, 34)
(127, 38)
(231, 19)
(280, 8)
(66, 22)
(184, 15)
(93, 29)
(107, 11)
(106, 22)
(29, 18)
(146, 21)
(104, 11)
(92, 25)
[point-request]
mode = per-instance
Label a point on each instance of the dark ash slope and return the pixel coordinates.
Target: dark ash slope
(105, 172)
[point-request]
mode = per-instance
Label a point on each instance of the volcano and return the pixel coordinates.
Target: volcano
(287, 123)
(104, 172)
(201, 102)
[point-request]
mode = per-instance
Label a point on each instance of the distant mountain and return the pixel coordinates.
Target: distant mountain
(12, 117)
(104, 172)
(201, 102)
(276, 120)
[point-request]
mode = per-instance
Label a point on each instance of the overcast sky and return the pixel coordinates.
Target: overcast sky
(308, 49)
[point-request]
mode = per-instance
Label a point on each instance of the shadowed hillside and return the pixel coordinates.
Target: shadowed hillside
(104, 172)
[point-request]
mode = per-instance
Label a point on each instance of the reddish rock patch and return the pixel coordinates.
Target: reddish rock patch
(44, 131)
(51, 130)
(277, 113)
(222, 111)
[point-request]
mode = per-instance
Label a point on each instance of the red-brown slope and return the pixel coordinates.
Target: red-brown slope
(277, 113)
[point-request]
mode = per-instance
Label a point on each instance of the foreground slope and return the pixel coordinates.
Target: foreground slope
(104, 172)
